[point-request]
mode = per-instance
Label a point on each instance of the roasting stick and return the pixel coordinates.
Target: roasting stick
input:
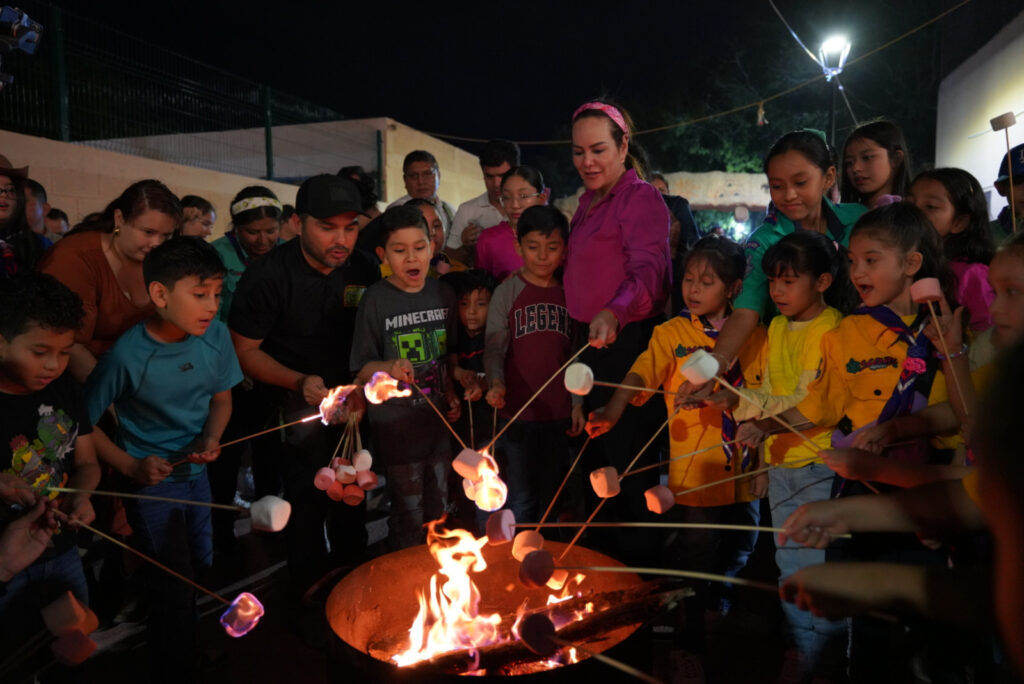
(638, 388)
(439, 414)
(472, 438)
(143, 556)
(609, 661)
(600, 503)
(945, 350)
(146, 497)
(565, 480)
(671, 526)
(255, 434)
(676, 458)
(535, 395)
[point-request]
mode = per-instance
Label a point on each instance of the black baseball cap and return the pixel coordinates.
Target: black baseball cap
(325, 196)
(1016, 165)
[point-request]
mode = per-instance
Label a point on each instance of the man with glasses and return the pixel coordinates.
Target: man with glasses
(422, 177)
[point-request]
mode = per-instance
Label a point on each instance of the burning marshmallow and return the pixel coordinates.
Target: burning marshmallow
(242, 615)
(579, 378)
(558, 579)
(701, 367)
(362, 460)
(926, 290)
(72, 647)
(659, 499)
(537, 632)
(501, 527)
(605, 482)
(270, 513)
(353, 494)
(66, 614)
(469, 464)
(346, 474)
(383, 387)
(367, 480)
(525, 542)
(537, 568)
(323, 479)
(332, 408)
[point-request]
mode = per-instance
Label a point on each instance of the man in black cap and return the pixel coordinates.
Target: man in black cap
(1002, 226)
(291, 322)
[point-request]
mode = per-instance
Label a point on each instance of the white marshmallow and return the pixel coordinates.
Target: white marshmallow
(659, 499)
(72, 647)
(66, 613)
(346, 474)
(525, 542)
(1003, 121)
(558, 579)
(468, 464)
(700, 367)
(270, 513)
(469, 487)
(501, 527)
(537, 568)
(362, 460)
(926, 290)
(605, 482)
(579, 378)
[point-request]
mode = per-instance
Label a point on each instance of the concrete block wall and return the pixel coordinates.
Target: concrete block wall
(461, 178)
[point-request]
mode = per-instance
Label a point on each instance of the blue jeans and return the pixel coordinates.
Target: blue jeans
(821, 642)
(535, 455)
(181, 537)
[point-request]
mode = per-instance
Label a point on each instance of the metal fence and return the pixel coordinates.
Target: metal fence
(93, 84)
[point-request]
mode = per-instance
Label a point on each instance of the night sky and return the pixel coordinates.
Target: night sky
(514, 70)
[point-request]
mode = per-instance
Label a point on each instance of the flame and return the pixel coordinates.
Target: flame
(449, 617)
(489, 491)
(332, 407)
(383, 387)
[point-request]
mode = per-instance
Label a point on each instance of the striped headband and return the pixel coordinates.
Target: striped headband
(252, 203)
(612, 113)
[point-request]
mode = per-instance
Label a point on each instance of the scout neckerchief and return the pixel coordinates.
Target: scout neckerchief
(734, 376)
(242, 255)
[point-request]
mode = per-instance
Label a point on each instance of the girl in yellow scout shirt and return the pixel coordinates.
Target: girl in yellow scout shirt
(803, 270)
(713, 273)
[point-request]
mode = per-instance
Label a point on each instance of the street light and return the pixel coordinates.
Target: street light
(832, 57)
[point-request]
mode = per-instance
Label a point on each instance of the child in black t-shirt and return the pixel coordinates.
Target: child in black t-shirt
(44, 434)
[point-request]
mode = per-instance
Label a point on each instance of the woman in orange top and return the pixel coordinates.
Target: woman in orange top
(102, 263)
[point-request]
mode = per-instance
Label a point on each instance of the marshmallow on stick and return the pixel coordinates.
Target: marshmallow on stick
(605, 482)
(525, 542)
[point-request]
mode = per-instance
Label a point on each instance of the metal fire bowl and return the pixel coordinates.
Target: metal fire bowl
(378, 601)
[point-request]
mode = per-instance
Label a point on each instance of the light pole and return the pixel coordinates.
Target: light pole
(832, 57)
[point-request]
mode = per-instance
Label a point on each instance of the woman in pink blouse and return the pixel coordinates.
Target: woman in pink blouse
(522, 187)
(617, 280)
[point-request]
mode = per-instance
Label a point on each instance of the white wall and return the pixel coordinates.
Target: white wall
(987, 84)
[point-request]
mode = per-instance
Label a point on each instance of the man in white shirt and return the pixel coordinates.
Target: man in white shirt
(496, 158)
(422, 178)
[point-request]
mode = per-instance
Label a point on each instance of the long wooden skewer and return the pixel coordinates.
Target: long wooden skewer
(469, 407)
(143, 556)
(537, 394)
(778, 419)
(676, 458)
(672, 526)
(565, 480)
(600, 504)
(255, 434)
(611, 662)
(945, 350)
(1009, 172)
(146, 497)
(619, 385)
(440, 415)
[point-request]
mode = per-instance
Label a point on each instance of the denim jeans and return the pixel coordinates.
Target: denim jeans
(181, 537)
(821, 642)
(536, 458)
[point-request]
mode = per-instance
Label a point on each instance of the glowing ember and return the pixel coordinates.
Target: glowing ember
(449, 617)
(242, 615)
(332, 407)
(383, 387)
(489, 491)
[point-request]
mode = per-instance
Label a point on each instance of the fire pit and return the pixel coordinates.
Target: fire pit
(373, 608)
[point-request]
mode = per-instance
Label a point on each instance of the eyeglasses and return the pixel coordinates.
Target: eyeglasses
(421, 175)
(9, 190)
(522, 199)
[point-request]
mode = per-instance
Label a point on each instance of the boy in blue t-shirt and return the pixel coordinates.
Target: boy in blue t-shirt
(44, 435)
(169, 379)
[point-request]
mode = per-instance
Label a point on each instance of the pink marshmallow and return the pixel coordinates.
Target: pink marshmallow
(323, 479)
(362, 460)
(537, 568)
(926, 290)
(346, 474)
(336, 490)
(67, 613)
(353, 494)
(659, 499)
(501, 527)
(72, 648)
(367, 479)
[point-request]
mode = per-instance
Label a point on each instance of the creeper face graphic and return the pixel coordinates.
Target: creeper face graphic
(412, 347)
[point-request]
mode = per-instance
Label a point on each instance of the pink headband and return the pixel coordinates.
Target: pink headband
(612, 113)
